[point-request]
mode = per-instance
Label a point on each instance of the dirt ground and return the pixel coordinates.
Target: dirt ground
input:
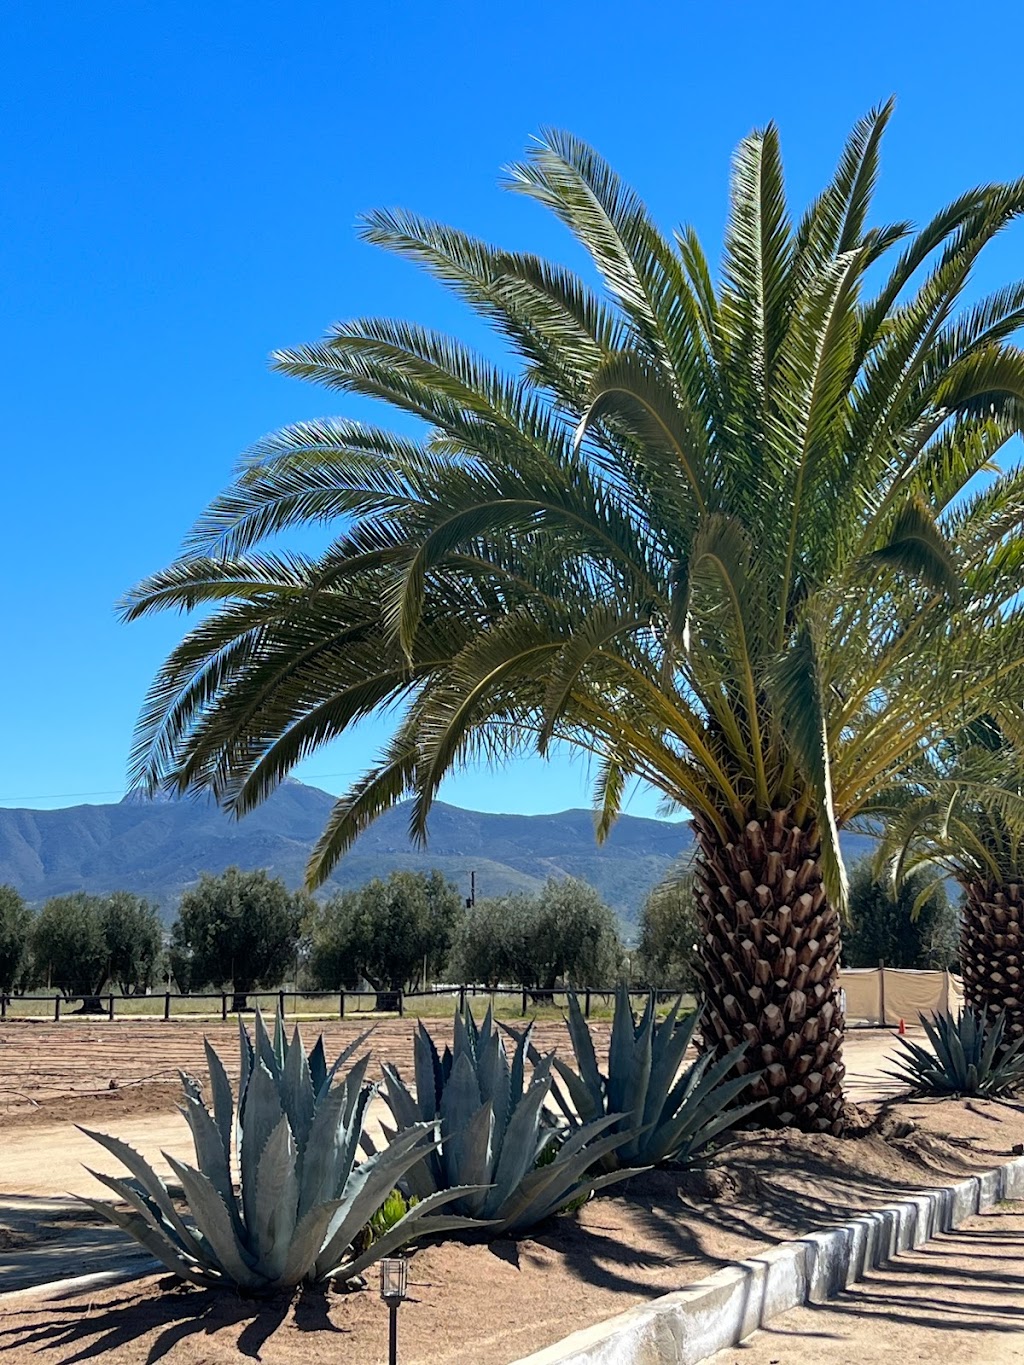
(130, 1066)
(490, 1305)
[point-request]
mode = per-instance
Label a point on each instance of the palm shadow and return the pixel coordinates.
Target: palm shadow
(173, 1312)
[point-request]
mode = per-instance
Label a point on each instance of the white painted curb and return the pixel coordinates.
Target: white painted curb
(688, 1326)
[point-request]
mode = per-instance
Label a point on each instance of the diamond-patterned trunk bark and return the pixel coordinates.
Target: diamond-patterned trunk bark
(769, 963)
(992, 952)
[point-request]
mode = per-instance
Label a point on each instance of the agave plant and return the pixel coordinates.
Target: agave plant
(511, 1165)
(967, 1057)
(665, 1116)
(303, 1200)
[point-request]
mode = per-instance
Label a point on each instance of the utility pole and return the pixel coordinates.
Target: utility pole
(471, 898)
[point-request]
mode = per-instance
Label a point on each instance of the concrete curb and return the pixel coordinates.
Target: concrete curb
(688, 1326)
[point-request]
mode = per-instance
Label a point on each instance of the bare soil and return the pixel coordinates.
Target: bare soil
(492, 1304)
(130, 1066)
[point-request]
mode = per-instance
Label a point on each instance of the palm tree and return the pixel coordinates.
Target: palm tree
(717, 532)
(961, 814)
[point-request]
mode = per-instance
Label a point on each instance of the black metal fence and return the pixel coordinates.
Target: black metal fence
(344, 1003)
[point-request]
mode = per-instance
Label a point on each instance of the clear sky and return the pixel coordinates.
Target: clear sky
(180, 187)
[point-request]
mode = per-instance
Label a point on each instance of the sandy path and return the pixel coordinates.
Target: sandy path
(959, 1298)
(51, 1161)
(47, 1159)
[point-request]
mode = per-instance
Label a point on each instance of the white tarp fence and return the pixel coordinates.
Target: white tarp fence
(885, 995)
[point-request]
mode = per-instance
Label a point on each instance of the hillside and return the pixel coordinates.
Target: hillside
(158, 848)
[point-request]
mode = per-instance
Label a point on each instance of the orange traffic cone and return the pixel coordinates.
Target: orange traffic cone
(902, 1029)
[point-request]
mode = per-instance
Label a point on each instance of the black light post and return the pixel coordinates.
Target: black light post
(394, 1287)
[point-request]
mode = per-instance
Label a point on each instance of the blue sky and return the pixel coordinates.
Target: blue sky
(181, 185)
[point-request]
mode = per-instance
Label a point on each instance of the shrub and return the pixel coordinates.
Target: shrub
(302, 1202)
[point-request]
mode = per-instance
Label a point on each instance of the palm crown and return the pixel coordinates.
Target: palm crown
(719, 532)
(960, 814)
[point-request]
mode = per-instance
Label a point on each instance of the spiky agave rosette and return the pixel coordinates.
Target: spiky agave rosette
(665, 1114)
(302, 1198)
(968, 1056)
(508, 1167)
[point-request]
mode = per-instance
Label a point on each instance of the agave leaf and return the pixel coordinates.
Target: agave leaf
(668, 1049)
(470, 1152)
(586, 1057)
(317, 1066)
(280, 1041)
(329, 1152)
(520, 1148)
(146, 1176)
(517, 1078)
(427, 1070)
(223, 1100)
(156, 1243)
(582, 1100)
(263, 1112)
(620, 1052)
(208, 1141)
(297, 1091)
(214, 1222)
(400, 1100)
(545, 1190)
(307, 1240)
(348, 1052)
(459, 1102)
(264, 1050)
(276, 1202)
(132, 1193)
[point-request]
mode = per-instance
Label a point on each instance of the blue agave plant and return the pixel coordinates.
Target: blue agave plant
(302, 1198)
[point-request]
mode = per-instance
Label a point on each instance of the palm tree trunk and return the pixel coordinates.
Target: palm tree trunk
(769, 967)
(992, 952)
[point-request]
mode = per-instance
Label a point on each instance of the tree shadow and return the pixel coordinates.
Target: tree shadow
(173, 1312)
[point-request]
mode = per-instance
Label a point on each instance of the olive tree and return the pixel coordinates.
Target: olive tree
(238, 927)
(15, 923)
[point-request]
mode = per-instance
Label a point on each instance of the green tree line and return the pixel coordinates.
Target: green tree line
(247, 931)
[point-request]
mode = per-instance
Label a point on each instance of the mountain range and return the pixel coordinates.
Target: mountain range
(157, 848)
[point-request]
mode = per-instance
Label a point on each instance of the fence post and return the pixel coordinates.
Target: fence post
(280, 1002)
(401, 1004)
(462, 997)
(56, 1009)
(110, 1006)
(881, 992)
(586, 1003)
(167, 1005)
(224, 1005)
(341, 1005)
(524, 1003)
(3, 1006)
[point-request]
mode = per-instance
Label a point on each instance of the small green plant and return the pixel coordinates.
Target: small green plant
(664, 1115)
(967, 1057)
(514, 1169)
(391, 1213)
(302, 1201)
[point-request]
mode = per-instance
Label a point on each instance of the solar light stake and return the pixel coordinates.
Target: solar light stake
(394, 1286)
